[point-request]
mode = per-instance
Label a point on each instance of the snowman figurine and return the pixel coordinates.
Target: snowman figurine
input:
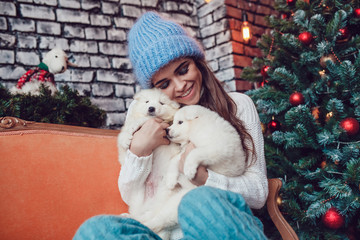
(54, 62)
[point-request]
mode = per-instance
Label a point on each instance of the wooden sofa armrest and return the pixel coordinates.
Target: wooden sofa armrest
(286, 231)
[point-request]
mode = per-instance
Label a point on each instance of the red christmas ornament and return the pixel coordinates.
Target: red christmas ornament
(345, 33)
(305, 37)
(333, 219)
(296, 99)
(274, 125)
(290, 2)
(264, 71)
(350, 125)
(357, 12)
(284, 16)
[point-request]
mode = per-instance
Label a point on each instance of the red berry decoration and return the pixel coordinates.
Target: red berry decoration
(305, 37)
(333, 219)
(357, 12)
(296, 99)
(290, 2)
(350, 125)
(345, 33)
(264, 71)
(274, 125)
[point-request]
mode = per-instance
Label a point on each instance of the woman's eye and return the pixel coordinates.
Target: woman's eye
(180, 122)
(164, 85)
(184, 70)
(161, 103)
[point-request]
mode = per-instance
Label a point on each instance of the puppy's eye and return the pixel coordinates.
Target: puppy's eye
(180, 122)
(56, 56)
(147, 102)
(161, 103)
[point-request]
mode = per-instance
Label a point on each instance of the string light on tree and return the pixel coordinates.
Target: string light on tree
(333, 219)
(306, 38)
(350, 125)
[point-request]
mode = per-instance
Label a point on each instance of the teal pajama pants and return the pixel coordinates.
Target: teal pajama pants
(204, 213)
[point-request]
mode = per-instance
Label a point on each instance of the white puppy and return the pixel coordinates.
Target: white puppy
(148, 103)
(158, 212)
(217, 143)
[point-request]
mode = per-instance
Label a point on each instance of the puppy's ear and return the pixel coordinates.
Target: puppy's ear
(137, 96)
(174, 104)
(191, 115)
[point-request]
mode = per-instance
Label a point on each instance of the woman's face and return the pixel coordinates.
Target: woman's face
(181, 80)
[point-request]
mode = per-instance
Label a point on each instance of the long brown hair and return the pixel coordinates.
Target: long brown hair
(216, 98)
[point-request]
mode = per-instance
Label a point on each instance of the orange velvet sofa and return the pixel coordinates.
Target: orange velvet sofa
(54, 177)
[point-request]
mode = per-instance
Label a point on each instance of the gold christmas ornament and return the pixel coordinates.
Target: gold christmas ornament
(315, 112)
(329, 115)
(323, 164)
(279, 200)
(322, 73)
(326, 58)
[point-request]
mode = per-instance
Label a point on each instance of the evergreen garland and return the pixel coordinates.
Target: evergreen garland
(64, 107)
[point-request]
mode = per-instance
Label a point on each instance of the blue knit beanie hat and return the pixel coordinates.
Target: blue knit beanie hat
(154, 42)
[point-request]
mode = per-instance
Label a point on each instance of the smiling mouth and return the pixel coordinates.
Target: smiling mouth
(187, 92)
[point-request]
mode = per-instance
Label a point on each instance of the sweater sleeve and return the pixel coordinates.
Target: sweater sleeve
(252, 185)
(133, 173)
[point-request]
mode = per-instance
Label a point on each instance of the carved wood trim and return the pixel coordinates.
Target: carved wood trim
(13, 124)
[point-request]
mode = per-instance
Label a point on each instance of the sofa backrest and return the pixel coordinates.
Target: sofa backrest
(54, 177)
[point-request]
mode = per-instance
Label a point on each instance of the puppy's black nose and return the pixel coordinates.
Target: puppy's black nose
(151, 109)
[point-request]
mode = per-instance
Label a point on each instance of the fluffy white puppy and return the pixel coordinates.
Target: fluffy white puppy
(217, 143)
(148, 103)
(158, 212)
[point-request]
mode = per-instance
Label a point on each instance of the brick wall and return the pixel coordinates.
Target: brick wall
(94, 33)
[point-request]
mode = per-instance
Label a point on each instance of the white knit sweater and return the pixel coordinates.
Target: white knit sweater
(252, 185)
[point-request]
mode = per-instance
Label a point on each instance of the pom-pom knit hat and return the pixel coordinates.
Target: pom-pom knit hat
(154, 42)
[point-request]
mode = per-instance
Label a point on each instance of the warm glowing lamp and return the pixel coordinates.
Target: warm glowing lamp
(245, 28)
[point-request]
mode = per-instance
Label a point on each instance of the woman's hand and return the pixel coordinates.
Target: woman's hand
(201, 174)
(150, 136)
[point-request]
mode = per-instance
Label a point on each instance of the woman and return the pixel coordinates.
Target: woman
(166, 57)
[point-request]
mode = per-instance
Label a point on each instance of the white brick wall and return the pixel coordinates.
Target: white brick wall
(94, 32)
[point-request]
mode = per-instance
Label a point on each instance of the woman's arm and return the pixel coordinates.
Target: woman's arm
(138, 161)
(252, 185)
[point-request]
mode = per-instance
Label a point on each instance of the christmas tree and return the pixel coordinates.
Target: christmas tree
(308, 99)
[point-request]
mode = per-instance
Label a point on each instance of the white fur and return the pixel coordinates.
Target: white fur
(57, 62)
(217, 143)
(159, 212)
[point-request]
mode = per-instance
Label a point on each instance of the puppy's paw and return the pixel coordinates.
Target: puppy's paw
(190, 170)
(125, 140)
(171, 181)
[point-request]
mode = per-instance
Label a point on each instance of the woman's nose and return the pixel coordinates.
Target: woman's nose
(179, 84)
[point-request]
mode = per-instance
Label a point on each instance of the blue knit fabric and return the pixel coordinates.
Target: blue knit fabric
(108, 227)
(204, 213)
(154, 42)
(212, 213)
